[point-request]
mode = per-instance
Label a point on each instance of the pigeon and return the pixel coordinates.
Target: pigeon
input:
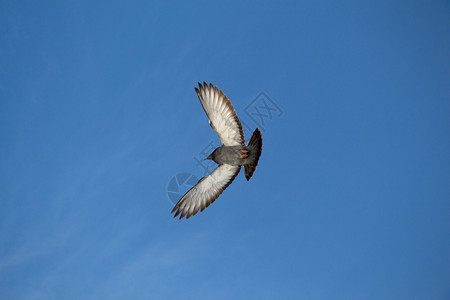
(230, 156)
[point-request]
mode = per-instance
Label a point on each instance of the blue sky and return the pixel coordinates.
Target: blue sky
(351, 197)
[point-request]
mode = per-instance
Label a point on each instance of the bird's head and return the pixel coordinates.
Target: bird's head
(212, 155)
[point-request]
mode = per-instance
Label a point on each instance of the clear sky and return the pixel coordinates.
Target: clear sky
(98, 112)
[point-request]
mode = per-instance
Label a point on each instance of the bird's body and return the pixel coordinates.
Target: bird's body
(230, 156)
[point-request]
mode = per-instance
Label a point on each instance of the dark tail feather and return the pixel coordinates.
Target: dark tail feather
(255, 147)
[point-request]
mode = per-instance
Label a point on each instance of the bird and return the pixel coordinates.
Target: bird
(230, 156)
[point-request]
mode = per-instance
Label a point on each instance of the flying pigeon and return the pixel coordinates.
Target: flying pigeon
(230, 156)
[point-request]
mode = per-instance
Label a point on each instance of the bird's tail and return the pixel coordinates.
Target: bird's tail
(254, 147)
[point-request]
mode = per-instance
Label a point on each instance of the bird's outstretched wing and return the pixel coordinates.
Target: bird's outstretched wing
(206, 191)
(222, 116)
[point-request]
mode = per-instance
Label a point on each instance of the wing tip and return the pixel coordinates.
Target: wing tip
(205, 85)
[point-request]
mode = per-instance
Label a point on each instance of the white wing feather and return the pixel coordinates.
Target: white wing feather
(206, 191)
(222, 116)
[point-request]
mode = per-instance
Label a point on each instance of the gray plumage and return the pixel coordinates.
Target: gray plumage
(230, 156)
